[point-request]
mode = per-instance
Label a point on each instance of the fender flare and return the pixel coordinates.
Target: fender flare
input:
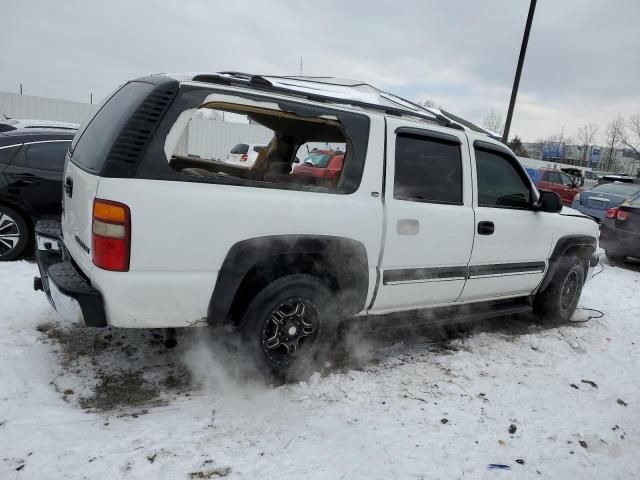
(562, 246)
(347, 255)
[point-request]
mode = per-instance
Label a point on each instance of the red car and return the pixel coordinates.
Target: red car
(555, 181)
(321, 163)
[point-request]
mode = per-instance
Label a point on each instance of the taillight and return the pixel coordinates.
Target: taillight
(111, 239)
(622, 215)
(612, 213)
(244, 157)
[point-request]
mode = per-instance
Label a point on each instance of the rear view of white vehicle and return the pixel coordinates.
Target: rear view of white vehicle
(425, 212)
(244, 154)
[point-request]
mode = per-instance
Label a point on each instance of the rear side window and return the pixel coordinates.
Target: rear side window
(7, 154)
(47, 155)
(93, 142)
(240, 149)
(499, 182)
(427, 170)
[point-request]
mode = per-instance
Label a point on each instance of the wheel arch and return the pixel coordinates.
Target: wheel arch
(22, 210)
(341, 263)
(582, 245)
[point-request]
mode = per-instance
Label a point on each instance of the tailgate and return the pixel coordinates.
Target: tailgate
(79, 192)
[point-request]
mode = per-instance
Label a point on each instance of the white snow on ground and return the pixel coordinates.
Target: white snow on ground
(410, 409)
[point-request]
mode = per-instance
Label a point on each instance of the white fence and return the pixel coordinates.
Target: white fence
(215, 138)
(39, 108)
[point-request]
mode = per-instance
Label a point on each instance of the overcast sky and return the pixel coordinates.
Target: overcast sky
(583, 61)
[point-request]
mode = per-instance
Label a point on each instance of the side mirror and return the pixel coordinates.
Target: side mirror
(549, 202)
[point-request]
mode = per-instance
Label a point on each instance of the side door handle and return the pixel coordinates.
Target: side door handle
(486, 228)
(68, 187)
(408, 226)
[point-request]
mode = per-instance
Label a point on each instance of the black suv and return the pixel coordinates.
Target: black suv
(31, 165)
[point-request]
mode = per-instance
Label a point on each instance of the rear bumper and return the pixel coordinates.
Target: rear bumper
(68, 291)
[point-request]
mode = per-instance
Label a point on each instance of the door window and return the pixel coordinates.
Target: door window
(46, 155)
(566, 180)
(427, 170)
(554, 177)
(500, 183)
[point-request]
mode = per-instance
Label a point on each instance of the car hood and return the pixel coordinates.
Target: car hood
(570, 212)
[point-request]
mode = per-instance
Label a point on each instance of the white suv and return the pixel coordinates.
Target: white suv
(428, 212)
(244, 154)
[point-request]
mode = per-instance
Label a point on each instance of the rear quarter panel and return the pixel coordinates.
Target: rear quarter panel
(182, 231)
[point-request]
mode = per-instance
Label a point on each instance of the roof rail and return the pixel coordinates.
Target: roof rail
(263, 83)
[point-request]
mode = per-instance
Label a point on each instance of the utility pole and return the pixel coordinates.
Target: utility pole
(300, 65)
(516, 80)
(91, 98)
(20, 89)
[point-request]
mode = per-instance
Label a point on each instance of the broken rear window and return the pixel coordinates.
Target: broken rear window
(227, 139)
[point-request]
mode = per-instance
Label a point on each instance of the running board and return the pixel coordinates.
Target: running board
(441, 316)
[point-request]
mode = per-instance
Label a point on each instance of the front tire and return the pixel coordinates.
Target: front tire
(14, 234)
(285, 322)
(559, 300)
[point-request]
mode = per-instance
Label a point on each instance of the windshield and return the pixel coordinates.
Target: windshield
(320, 160)
(625, 190)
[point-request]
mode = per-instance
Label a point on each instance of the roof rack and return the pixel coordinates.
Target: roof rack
(346, 92)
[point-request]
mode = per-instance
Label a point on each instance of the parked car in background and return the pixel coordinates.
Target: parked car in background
(620, 234)
(590, 178)
(31, 165)
(610, 178)
(599, 199)
(575, 173)
(554, 181)
(321, 163)
(244, 154)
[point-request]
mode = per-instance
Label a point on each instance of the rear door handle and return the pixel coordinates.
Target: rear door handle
(486, 228)
(68, 187)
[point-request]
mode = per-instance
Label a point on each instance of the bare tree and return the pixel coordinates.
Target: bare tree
(429, 103)
(631, 135)
(586, 136)
(493, 121)
(612, 139)
(630, 138)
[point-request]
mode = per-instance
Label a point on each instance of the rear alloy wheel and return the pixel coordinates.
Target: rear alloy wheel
(560, 299)
(284, 323)
(14, 234)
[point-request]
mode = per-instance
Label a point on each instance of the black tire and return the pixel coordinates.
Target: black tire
(284, 324)
(559, 300)
(14, 234)
(614, 257)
